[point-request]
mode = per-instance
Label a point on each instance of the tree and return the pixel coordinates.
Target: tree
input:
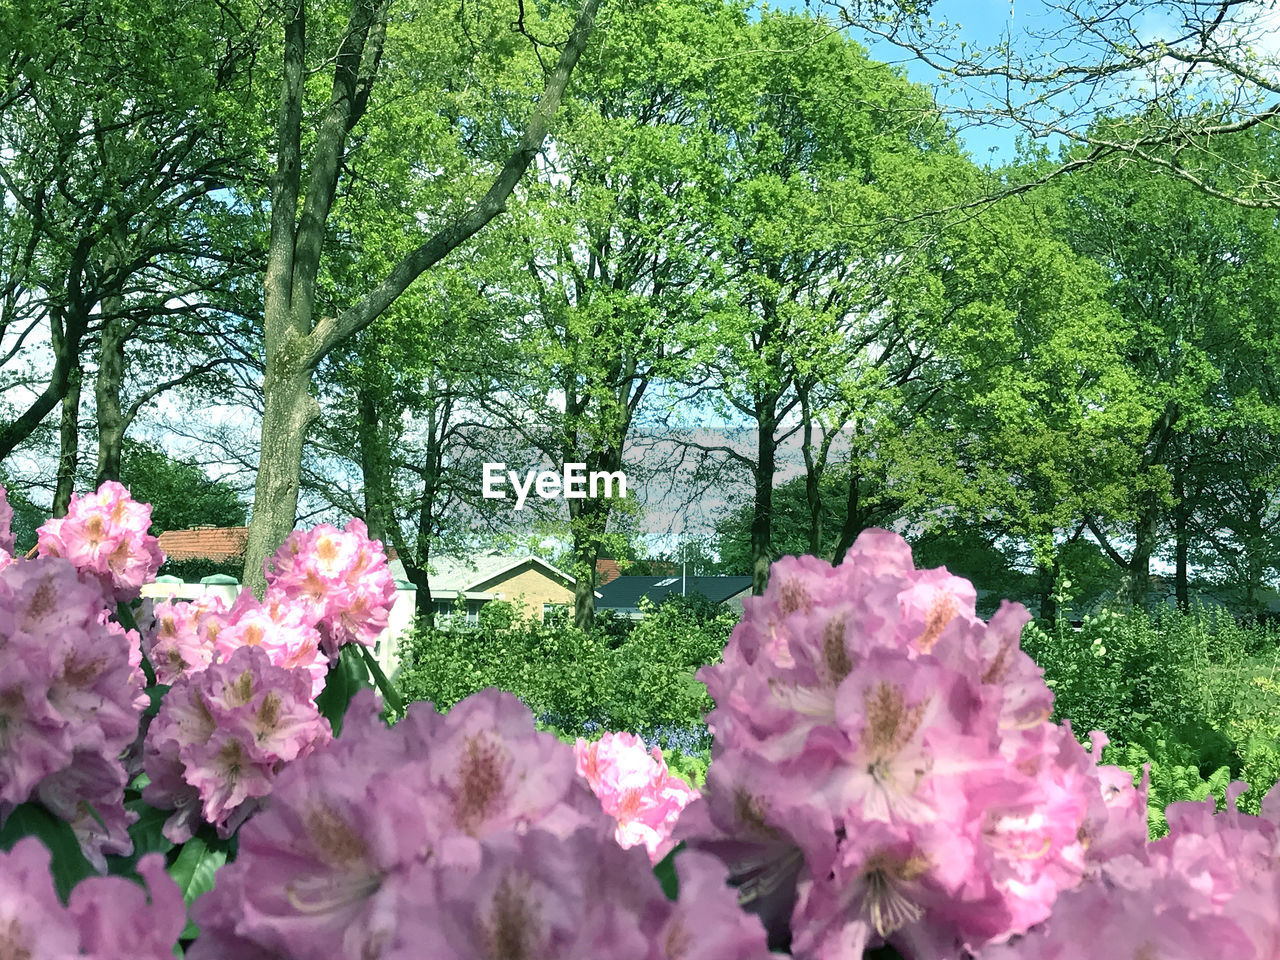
(826, 145)
(295, 339)
(615, 245)
(181, 494)
(1192, 280)
(1195, 73)
(111, 146)
(1036, 414)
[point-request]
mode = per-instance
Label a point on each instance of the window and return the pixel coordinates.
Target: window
(556, 612)
(667, 582)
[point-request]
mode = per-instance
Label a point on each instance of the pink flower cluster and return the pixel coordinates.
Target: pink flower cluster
(454, 837)
(106, 918)
(339, 577)
(330, 587)
(635, 788)
(221, 737)
(208, 754)
(1209, 889)
(70, 702)
(105, 534)
(6, 529)
(884, 769)
(181, 640)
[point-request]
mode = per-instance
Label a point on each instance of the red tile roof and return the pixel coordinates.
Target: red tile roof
(606, 570)
(221, 544)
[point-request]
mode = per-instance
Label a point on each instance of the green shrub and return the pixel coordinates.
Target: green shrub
(559, 672)
(1171, 781)
(652, 683)
(1186, 692)
(573, 681)
(691, 768)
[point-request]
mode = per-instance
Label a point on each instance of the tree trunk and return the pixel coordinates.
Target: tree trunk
(585, 553)
(762, 518)
(69, 454)
(588, 520)
(1048, 574)
(1136, 581)
(812, 492)
(288, 412)
(853, 522)
(1181, 586)
(107, 387)
(375, 466)
(66, 336)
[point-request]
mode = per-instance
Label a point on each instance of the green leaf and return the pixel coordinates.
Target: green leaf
(390, 696)
(193, 871)
(346, 678)
(148, 830)
(68, 864)
(665, 871)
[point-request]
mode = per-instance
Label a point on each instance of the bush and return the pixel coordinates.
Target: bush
(576, 682)
(558, 671)
(1184, 692)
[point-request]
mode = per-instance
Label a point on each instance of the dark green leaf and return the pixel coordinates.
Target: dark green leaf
(193, 871)
(666, 873)
(68, 864)
(346, 678)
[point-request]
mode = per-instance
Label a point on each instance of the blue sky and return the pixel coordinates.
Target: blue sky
(982, 24)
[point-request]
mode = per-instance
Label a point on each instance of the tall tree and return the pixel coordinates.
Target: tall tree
(1192, 280)
(109, 145)
(616, 244)
(824, 145)
(295, 339)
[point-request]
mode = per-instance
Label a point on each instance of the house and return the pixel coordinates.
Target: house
(623, 594)
(607, 569)
(536, 587)
(217, 544)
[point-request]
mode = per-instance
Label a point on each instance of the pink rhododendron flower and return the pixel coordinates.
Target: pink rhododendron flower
(107, 918)
(6, 525)
(1206, 890)
(282, 629)
(104, 534)
(341, 577)
(69, 702)
(222, 736)
(884, 769)
(581, 898)
(176, 644)
(635, 788)
(463, 835)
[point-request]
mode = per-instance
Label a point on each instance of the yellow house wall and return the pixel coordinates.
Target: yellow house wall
(529, 587)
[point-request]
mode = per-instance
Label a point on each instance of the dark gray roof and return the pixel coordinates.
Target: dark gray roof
(624, 593)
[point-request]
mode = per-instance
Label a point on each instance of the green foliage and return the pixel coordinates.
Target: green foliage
(1184, 692)
(68, 864)
(343, 682)
(1170, 781)
(27, 517)
(180, 493)
(561, 673)
(193, 870)
(644, 684)
(691, 767)
(653, 683)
